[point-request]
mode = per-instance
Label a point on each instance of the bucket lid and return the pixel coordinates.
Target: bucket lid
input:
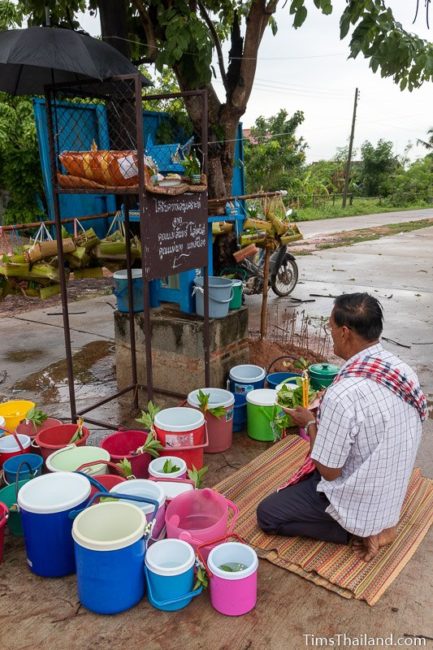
(217, 397)
(173, 488)
(247, 372)
(162, 555)
(323, 370)
(122, 274)
(141, 487)
(262, 397)
(9, 444)
(179, 418)
(109, 526)
(52, 493)
(69, 458)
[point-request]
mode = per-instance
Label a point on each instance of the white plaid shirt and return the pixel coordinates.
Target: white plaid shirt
(373, 435)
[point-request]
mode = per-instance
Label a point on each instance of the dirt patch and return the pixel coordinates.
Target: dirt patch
(265, 352)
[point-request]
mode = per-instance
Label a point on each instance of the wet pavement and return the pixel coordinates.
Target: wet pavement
(45, 613)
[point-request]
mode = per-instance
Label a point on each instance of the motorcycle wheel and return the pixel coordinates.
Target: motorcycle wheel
(285, 279)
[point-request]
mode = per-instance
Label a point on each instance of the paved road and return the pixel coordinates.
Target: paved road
(313, 228)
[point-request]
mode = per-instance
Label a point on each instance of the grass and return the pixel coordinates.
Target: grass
(360, 206)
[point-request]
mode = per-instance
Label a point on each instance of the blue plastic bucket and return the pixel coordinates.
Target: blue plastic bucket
(246, 377)
(275, 378)
(109, 552)
(220, 296)
(239, 412)
(27, 466)
(169, 567)
(45, 503)
(120, 290)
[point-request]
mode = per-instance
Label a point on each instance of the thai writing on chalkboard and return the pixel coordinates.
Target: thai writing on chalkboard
(176, 234)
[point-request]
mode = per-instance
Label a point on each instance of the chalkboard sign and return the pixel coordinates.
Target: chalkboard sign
(176, 234)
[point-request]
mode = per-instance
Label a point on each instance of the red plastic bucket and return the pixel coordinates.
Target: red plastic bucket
(4, 514)
(220, 429)
(13, 445)
(123, 444)
(107, 481)
(58, 437)
(182, 432)
(29, 429)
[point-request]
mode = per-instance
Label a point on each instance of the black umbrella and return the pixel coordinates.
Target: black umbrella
(39, 56)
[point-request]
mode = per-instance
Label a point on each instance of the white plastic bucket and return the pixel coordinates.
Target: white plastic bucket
(156, 465)
(141, 487)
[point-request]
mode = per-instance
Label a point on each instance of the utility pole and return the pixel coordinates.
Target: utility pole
(349, 156)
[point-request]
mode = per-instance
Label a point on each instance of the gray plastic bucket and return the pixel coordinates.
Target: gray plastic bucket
(220, 295)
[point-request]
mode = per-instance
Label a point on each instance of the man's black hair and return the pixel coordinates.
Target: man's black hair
(360, 312)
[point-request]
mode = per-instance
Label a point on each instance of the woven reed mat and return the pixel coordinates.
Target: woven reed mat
(334, 566)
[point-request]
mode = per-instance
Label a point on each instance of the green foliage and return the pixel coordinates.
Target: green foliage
(36, 416)
(197, 475)
(274, 155)
(20, 170)
(412, 185)
(378, 164)
(169, 467)
(151, 446)
(203, 399)
(125, 467)
(148, 417)
(201, 579)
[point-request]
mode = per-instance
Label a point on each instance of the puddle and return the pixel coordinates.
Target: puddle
(94, 376)
(19, 356)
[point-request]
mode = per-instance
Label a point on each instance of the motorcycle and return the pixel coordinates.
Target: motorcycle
(283, 273)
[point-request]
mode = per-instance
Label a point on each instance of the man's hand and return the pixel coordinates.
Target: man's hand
(301, 416)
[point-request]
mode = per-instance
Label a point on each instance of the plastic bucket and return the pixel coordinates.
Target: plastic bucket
(261, 410)
(200, 516)
(156, 465)
(239, 412)
(233, 593)
(174, 486)
(2, 424)
(181, 431)
(45, 503)
(29, 429)
(120, 290)
(9, 496)
(236, 301)
(150, 490)
(220, 429)
(123, 444)
(57, 437)
(245, 378)
(70, 458)
(276, 378)
(4, 515)
(14, 411)
(107, 481)
(169, 567)
(220, 296)
(109, 551)
(9, 446)
(26, 466)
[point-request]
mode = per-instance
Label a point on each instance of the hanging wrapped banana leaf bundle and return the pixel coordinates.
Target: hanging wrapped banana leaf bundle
(87, 239)
(257, 224)
(26, 271)
(221, 227)
(93, 272)
(292, 234)
(275, 212)
(113, 248)
(252, 237)
(42, 250)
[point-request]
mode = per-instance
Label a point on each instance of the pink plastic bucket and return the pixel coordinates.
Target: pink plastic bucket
(148, 490)
(200, 516)
(53, 438)
(182, 432)
(29, 429)
(4, 514)
(123, 444)
(220, 429)
(233, 593)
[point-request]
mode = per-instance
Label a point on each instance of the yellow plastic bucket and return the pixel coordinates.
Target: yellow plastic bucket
(14, 411)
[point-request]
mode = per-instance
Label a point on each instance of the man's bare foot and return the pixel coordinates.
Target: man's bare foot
(369, 546)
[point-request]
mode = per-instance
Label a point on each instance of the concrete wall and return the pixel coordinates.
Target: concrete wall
(177, 348)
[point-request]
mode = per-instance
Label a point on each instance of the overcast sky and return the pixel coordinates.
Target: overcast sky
(308, 69)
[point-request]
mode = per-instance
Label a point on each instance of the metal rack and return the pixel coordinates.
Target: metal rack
(73, 129)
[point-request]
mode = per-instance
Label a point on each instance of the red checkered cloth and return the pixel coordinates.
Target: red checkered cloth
(383, 373)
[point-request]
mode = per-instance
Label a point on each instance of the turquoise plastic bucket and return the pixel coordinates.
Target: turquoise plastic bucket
(169, 568)
(220, 295)
(261, 411)
(276, 378)
(236, 301)
(120, 290)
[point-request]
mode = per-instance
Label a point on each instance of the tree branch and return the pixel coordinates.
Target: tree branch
(216, 41)
(152, 48)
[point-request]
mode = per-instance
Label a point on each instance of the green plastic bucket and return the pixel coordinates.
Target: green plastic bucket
(261, 411)
(70, 458)
(236, 301)
(9, 496)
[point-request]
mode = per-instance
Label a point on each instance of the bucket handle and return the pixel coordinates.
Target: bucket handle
(187, 537)
(235, 515)
(32, 472)
(92, 481)
(116, 495)
(284, 356)
(204, 444)
(108, 463)
(172, 601)
(15, 435)
(221, 302)
(211, 543)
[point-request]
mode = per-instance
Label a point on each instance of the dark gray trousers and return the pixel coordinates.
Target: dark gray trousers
(300, 510)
